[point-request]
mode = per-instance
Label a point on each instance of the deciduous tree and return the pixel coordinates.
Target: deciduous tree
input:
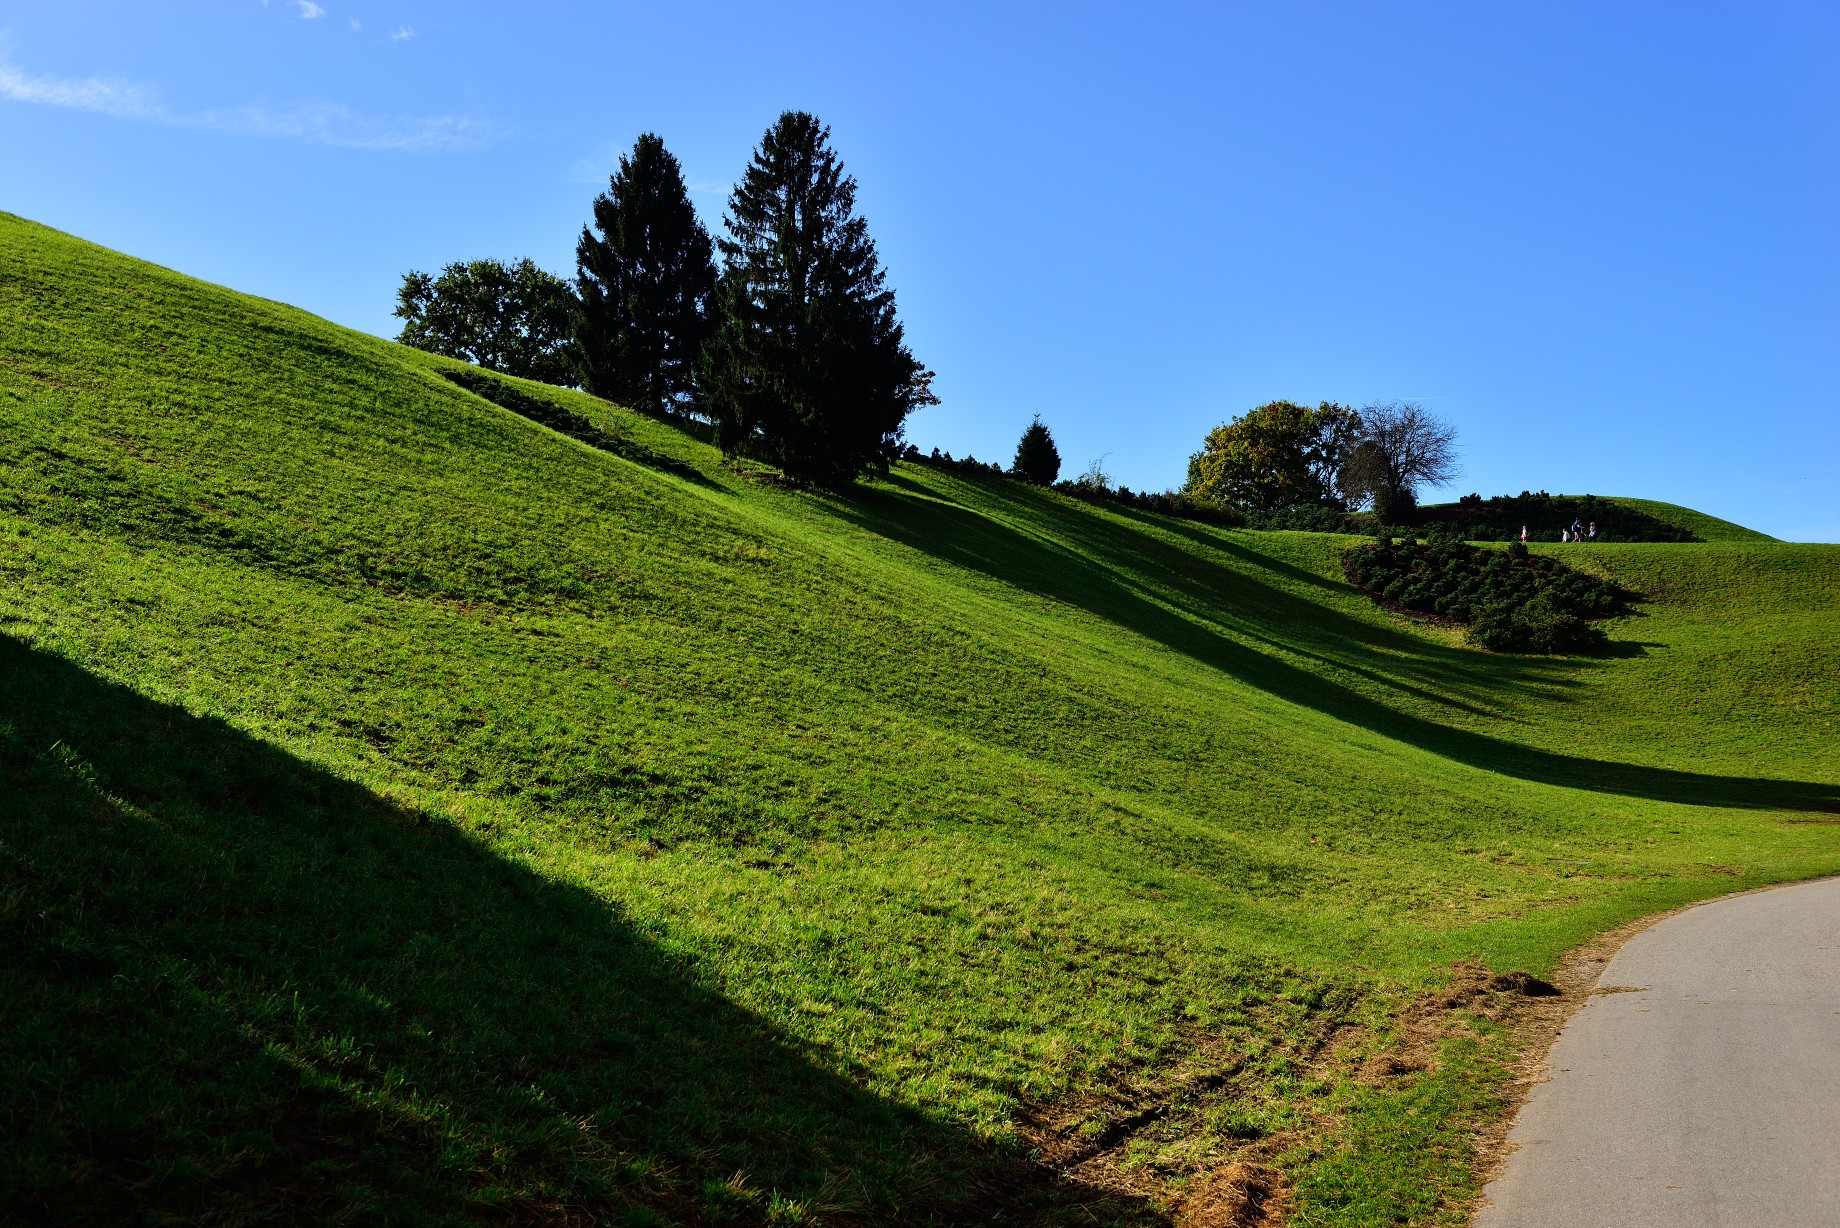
(1401, 448)
(1278, 455)
(514, 318)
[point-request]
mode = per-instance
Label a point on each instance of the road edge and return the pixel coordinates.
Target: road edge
(1538, 1022)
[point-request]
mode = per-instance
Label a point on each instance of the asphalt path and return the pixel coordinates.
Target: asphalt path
(1699, 1086)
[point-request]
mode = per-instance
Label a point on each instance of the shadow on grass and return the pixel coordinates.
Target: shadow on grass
(236, 988)
(1106, 584)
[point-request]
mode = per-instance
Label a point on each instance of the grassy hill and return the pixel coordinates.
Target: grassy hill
(409, 813)
(1702, 526)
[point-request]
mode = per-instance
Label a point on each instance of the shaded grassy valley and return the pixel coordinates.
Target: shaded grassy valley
(410, 813)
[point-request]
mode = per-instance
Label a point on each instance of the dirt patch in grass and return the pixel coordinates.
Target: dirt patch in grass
(1156, 1136)
(1429, 1020)
(1238, 1196)
(1095, 1140)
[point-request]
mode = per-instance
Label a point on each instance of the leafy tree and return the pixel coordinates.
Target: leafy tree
(513, 318)
(645, 281)
(1400, 448)
(1279, 455)
(1037, 459)
(807, 369)
(1095, 478)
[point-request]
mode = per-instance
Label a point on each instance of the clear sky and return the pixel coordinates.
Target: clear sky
(1602, 239)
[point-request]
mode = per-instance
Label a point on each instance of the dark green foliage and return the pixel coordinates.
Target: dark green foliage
(1502, 518)
(1512, 600)
(1181, 505)
(1037, 459)
(1309, 517)
(645, 282)
(969, 466)
(513, 318)
(1473, 518)
(1541, 625)
(807, 369)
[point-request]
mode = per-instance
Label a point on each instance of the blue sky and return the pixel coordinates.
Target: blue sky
(1600, 239)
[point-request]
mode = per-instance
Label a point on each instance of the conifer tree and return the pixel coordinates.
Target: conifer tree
(807, 369)
(1037, 459)
(645, 281)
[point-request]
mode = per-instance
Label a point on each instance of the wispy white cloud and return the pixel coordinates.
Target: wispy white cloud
(356, 24)
(594, 169)
(403, 34)
(337, 125)
(104, 96)
(309, 10)
(316, 123)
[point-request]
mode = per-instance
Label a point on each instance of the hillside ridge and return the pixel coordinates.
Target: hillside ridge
(408, 806)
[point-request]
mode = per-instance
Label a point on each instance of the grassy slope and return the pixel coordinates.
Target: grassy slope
(409, 808)
(1706, 528)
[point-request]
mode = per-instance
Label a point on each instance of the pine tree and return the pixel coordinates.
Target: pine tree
(807, 369)
(645, 282)
(1037, 459)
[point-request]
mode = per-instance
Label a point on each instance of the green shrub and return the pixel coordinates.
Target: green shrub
(1502, 518)
(1310, 517)
(1538, 626)
(1512, 600)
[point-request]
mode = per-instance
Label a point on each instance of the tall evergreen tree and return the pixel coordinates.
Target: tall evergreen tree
(1037, 459)
(644, 282)
(807, 369)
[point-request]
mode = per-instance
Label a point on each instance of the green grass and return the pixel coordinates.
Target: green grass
(410, 814)
(1706, 528)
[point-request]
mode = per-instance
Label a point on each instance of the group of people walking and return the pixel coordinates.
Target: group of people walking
(1579, 532)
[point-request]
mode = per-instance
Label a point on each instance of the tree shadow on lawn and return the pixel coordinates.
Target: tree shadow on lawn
(237, 988)
(908, 513)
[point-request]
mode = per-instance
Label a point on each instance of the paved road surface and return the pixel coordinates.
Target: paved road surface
(1709, 1097)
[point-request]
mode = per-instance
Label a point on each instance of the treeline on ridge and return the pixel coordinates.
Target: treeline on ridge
(792, 351)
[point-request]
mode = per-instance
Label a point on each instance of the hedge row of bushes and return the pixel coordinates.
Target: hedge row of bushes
(1511, 600)
(1167, 503)
(1501, 518)
(1476, 519)
(1472, 518)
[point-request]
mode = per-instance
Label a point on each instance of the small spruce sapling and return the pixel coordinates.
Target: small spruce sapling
(1037, 461)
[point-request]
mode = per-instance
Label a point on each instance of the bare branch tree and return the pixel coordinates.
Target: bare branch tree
(1402, 447)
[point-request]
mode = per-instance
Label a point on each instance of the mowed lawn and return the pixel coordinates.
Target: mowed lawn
(410, 814)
